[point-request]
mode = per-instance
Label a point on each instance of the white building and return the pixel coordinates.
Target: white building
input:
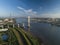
(6, 21)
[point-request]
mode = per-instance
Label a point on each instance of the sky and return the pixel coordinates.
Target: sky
(37, 8)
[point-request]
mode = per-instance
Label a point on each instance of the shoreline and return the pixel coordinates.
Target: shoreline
(40, 38)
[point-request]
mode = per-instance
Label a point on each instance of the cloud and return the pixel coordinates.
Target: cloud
(28, 12)
(21, 9)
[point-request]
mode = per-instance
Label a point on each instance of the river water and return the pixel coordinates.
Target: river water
(50, 34)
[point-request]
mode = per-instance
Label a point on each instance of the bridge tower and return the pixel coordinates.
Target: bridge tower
(29, 23)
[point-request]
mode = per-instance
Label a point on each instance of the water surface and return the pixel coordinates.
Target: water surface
(50, 34)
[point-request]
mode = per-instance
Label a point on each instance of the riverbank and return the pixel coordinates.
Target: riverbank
(40, 39)
(33, 38)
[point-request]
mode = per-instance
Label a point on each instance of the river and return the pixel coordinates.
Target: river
(50, 34)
